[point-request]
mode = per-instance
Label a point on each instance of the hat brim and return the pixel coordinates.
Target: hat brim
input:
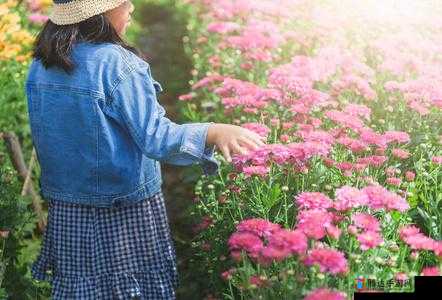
(80, 10)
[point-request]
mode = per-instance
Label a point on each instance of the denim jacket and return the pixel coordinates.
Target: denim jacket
(100, 133)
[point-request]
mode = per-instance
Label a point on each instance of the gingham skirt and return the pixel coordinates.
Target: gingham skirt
(108, 253)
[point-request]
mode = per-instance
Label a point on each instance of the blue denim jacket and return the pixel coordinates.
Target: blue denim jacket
(100, 133)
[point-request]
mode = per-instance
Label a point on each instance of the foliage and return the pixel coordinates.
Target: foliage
(353, 130)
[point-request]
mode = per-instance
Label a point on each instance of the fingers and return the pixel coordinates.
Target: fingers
(260, 140)
(226, 152)
(252, 144)
(238, 149)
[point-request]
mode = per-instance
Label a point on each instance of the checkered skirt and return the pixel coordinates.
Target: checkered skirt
(108, 253)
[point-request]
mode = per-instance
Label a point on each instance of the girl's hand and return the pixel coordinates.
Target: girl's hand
(231, 139)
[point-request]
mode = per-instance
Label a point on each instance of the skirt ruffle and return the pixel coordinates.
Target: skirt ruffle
(105, 263)
(122, 286)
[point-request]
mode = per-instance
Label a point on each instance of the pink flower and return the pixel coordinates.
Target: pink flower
(401, 277)
(310, 200)
(430, 271)
(333, 231)
(368, 136)
(365, 221)
(437, 160)
(396, 136)
(400, 153)
(374, 160)
(328, 260)
(344, 119)
(186, 97)
(408, 231)
(325, 294)
(256, 170)
(260, 129)
(369, 239)
(380, 198)
(282, 244)
(37, 18)
(227, 275)
(358, 110)
(349, 197)
(412, 236)
(257, 280)
(222, 27)
(249, 242)
(410, 176)
(393, 181)
(314, 222)
(260, 227)
(284, 138)
(353, 230)
(205, 222)
(206, 81)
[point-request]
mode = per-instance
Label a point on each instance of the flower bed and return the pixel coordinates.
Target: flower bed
(349, 185)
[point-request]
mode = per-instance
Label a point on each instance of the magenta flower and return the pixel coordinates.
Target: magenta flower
(260, 227)
(247, 241)
(369, 239)
(222, 27)
(358, 110)
(393, 181)
(396, 136)
(314, 222)
(430, 271)
(413, 237)
(37, 18)
(410, 175)
(261, 171)
(365, 221)
(349, 197)
(325, 294)
(310, 200)
(293, 240)
(400, 153)
(381, 198)
(437, 160)
(328, 260)
(260, 129)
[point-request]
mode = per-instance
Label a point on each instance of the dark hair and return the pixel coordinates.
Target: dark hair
(54, 43)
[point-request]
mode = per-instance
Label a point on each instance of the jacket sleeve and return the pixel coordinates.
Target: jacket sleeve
(134, 98)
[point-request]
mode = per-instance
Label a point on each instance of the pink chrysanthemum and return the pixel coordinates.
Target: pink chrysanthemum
(314, 222)
(430, 271)
(325, 294)
(413, 237)
(281, 245)
(400, 153)
(260, 227)
(380, 198)
(393, 181)
(369, 239)
(328, 260)
(293, 240)
(249, 242)
(437, 160)
(365, 221)
(396, 136)
(260, 129)
(410, 175)
(261, 171)
(349, 197)
(311, 200)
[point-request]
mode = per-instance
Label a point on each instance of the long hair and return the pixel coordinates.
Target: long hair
(54, 43)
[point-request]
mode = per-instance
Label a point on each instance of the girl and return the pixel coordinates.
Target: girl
(100, 135)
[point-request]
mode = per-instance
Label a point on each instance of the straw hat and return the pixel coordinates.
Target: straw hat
(74, 11)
